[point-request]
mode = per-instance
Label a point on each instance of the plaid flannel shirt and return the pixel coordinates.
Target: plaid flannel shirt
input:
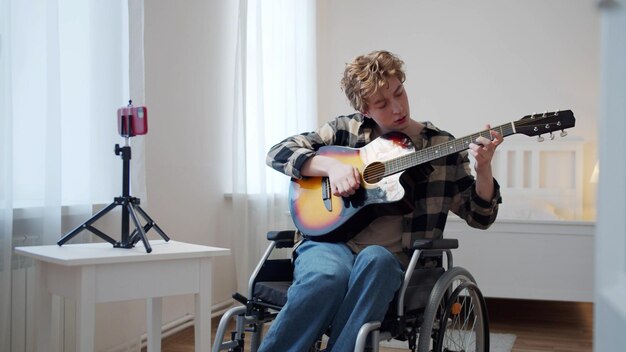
(440, 186)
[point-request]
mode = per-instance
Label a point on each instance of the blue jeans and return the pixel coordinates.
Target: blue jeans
(337, 289)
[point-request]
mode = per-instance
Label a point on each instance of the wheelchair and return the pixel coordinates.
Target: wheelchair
(438, 308)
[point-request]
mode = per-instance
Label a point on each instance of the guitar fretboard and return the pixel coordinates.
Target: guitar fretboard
(425, 155)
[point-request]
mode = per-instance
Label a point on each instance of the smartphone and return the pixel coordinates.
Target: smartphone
(132, 121)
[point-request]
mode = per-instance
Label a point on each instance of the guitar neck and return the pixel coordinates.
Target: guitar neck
(425, 155)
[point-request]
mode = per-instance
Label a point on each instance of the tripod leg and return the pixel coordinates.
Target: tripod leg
(87, 225)
(152, 223)
(100, 234)
(138, 226)
(134, 236)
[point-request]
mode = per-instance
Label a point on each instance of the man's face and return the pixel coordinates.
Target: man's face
(389, 107)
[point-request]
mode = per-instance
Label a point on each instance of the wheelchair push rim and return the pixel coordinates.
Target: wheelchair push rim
(456, 318)
(461, 327)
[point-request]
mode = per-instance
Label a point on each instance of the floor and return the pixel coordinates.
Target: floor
(539, 326)
(544, 326)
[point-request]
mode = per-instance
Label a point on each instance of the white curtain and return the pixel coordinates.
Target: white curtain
(275, 96)
(6, 208)
(64, 73)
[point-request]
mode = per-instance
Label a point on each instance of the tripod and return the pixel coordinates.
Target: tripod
(130, 207)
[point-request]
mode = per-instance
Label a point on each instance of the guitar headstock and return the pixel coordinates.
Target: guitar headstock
(547, 122)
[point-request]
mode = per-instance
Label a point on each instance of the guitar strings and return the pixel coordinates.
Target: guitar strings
(400, 163)
(392, 166)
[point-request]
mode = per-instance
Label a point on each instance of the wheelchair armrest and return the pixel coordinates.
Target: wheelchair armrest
(439, 243)
(283, 239)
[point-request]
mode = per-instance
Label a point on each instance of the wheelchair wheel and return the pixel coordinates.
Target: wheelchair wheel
(456, 316)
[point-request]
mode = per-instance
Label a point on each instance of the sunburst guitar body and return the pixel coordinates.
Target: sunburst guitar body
(331, 218)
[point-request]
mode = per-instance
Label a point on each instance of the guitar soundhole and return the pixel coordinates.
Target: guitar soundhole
(374, 172)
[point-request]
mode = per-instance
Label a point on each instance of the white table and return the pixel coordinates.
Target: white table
(96, 272)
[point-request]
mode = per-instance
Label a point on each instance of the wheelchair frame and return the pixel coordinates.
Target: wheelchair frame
(441, 315)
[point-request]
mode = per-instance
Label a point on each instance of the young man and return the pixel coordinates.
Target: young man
(340, 286)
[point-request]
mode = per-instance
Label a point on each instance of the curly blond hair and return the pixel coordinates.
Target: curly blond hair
(367, 73)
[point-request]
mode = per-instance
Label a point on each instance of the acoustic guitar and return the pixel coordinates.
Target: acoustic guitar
(321, 216)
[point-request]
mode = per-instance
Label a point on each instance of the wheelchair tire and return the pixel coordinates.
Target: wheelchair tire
(444, 312)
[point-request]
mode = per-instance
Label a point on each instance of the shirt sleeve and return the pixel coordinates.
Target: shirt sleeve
(289, 155)
(468, 205)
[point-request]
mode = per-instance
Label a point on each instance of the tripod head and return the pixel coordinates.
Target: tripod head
(132, 120)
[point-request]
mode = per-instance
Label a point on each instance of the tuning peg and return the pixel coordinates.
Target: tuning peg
(551, 136)
(563, 133)
(540, 138)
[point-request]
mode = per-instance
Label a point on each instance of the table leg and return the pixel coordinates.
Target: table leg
(154, 308)
(86, 310)
(43, 310)
(202, 328)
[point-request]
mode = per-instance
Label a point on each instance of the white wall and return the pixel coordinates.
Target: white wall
(470, 63)
(189, 55)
